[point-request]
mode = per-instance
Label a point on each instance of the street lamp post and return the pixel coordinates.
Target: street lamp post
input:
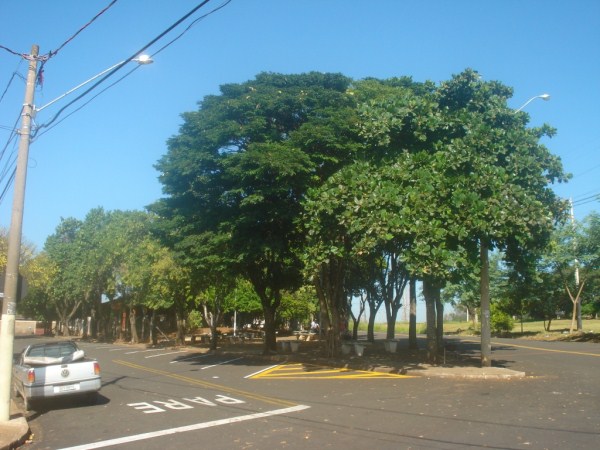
(9, 303)
(484, 282)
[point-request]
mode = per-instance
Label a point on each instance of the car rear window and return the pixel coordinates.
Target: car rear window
(52, 351)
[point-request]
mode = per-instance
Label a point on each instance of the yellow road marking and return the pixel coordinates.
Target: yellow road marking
(308, 371)
(207, 384)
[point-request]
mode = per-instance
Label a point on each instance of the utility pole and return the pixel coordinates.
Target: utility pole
(578, 305)
(486, 342)
(9, 304)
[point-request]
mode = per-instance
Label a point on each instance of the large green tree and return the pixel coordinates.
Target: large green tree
(240, 166)
(483, 174)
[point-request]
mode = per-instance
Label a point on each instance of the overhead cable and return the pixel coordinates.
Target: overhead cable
(120, 66)
(50, 54)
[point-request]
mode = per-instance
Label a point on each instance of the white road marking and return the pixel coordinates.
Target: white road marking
(197, 426)
(145, 351)
(224, 362)
(191, 357)
(261, 371)
(165, 354)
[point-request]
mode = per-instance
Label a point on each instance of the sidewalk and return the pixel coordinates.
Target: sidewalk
(14, 432)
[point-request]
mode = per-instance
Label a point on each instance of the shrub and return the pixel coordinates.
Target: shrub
(499, 320)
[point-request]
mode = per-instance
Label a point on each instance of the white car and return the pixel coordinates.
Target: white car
(55, 369)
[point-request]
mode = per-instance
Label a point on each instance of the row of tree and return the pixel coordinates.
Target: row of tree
(320, 183)
(357, 186)
(563, 282)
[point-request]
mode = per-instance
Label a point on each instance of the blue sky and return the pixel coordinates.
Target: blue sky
(103, 154)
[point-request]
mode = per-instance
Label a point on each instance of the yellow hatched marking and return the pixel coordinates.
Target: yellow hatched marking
(308, 371)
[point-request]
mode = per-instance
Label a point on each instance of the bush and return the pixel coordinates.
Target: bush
(500, 321)
(194, 320)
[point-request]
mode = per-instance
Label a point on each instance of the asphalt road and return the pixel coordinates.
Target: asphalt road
(170, 398)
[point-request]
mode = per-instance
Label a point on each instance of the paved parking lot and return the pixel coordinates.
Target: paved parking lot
(161, 398)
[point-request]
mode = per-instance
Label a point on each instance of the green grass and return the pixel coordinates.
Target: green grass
(529, 327)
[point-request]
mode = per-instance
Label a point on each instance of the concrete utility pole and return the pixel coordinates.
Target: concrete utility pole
(9, 304)
(578, 304)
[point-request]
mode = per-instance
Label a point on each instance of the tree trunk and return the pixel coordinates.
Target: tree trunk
(371, 323)
(432, 348)
(180, 319)
(132, 325)
(356, 320)
(576, 305)
(153, 336)
(329, 283)
(270, 330)
(391, 317)
(412, 326)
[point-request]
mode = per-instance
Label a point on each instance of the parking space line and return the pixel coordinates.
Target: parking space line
(194, 427)
(190, 358)
(222, 362)
(165, 354)
(145, 351)
(261, 371)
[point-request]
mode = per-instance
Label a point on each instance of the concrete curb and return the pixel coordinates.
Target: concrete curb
(482, 373)
(15, 432)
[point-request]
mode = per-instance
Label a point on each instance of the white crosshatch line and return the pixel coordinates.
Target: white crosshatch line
(183, 429)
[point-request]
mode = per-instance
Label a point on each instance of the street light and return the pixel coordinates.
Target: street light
(9, 303)
(141, 60)
(545, 97)
(486, 335)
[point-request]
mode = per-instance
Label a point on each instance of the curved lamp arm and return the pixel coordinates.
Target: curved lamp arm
(545, 97)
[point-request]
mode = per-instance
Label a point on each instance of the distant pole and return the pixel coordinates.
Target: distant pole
(486, 342)
(578, 304)
(9, 304)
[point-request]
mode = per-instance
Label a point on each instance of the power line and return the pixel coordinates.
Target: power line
(120, 66)
(14, 74)
(223, 5)
(52, 53)
(586, 200)
(577, 198)
(22, 55)
(48, 128)
(12, 136)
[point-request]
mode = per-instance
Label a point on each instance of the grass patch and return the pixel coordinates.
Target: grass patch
(559, 329)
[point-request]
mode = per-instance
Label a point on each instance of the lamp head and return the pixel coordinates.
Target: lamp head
(545, 97)
(144, 59)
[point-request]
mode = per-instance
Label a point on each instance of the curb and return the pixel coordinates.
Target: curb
(13, 433)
